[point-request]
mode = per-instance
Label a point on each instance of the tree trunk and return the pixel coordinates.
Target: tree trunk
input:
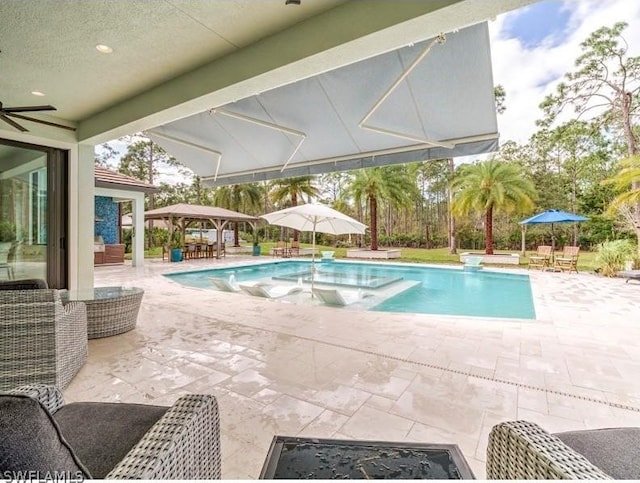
(236, 234)
(452, 220)
(632, 150)
(294, 202)
(488, 227)
(151, 195)
(373, 208)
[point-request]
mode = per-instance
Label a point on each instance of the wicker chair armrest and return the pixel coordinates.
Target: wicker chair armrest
(524, 451)
(74, 320)
(183, 445)
(49, 396)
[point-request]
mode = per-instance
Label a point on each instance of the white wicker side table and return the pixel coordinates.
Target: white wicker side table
(110, 310)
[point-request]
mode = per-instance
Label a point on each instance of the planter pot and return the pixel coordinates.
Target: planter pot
(176, 254)
(256, 250)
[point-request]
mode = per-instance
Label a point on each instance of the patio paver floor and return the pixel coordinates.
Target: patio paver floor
(283, 368)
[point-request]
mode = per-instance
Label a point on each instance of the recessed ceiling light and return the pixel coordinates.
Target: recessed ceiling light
(105, 49)
(37, 93)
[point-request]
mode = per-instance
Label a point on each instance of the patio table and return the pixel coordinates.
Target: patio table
(110, 310)
(311, 458)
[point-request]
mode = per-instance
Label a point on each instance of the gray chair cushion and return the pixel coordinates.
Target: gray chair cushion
(26, 284)
(103, 433)
(32, 441)
(616, 451)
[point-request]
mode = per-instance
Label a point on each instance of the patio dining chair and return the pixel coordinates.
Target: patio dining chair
(294, 249)
(542, 258)
(280, 250)
(569, 259)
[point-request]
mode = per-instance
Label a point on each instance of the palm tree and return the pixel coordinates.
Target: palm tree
(391, 183)
(238, 197)
(489, 187)
(627, 182)
(291, 189)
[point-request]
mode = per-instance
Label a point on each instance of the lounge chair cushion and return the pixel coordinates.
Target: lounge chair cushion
(33, 442)
(613, 450)
(106, 432)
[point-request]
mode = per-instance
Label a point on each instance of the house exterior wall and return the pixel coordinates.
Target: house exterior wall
(106, 224)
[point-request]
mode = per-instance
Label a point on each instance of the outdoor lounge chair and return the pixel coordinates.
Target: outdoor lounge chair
(630, 275)
(228, 286)
(108, 440)
(542, 258)
(331, 296)
(520, 450)
(568, 260)
(270, 291)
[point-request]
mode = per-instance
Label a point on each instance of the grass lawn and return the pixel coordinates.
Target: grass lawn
(438, 255)
(415, 255)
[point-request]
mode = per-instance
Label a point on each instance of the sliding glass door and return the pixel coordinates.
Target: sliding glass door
(33, 213)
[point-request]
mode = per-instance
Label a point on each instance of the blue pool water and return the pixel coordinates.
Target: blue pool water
(441, 291)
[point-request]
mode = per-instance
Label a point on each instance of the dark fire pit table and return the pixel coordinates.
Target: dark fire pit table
(305, 458)
(110, 310)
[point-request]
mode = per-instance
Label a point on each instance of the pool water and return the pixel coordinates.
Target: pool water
(441, 291)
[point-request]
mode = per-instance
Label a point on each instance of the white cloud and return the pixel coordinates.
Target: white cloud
(529, 74)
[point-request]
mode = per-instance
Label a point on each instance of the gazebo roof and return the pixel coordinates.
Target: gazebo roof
(197, 212)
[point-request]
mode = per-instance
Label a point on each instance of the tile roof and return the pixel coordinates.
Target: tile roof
(106, 178)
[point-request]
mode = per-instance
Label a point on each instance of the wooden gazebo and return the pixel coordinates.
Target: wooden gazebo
(186, 215)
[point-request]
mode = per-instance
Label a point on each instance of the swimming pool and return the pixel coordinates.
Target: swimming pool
(440, 291)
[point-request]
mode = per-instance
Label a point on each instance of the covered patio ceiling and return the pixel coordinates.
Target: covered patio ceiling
(429, 100)
(172, 59)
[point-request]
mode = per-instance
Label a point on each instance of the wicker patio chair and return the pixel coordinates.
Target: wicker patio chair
(521, 450)
(41, 341)
(181, 442)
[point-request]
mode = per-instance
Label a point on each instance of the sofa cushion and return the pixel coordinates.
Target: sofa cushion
(613, 450)
(103, 433)
(32, 442)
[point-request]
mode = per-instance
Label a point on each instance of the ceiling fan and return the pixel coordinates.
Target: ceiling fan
(7, 112)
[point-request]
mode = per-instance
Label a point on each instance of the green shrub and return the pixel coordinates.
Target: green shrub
(612, 255)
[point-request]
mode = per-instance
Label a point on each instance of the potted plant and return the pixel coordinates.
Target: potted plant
(175, 248)
(256, 243)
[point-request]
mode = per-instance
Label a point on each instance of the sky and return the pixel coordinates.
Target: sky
(533, 47)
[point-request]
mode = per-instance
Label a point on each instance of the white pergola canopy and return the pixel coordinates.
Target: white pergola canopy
(425, 101)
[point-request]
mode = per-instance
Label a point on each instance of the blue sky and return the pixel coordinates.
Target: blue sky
(533, 47)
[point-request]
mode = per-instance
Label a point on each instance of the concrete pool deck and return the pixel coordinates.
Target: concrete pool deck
(282, 368)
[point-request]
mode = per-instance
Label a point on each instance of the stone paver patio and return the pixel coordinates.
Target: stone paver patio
(282, 368)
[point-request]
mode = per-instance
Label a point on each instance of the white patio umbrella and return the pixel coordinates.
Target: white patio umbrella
(315, 217)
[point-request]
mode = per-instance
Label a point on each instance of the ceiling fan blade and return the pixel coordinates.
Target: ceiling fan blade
(13, 123)
(29, 108)
(26, 118)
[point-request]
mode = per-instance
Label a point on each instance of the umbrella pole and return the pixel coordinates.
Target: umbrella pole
(553, 245)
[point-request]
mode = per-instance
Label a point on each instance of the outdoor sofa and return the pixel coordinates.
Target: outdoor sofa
(522, 450)
(107, 440)
(42, 341)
